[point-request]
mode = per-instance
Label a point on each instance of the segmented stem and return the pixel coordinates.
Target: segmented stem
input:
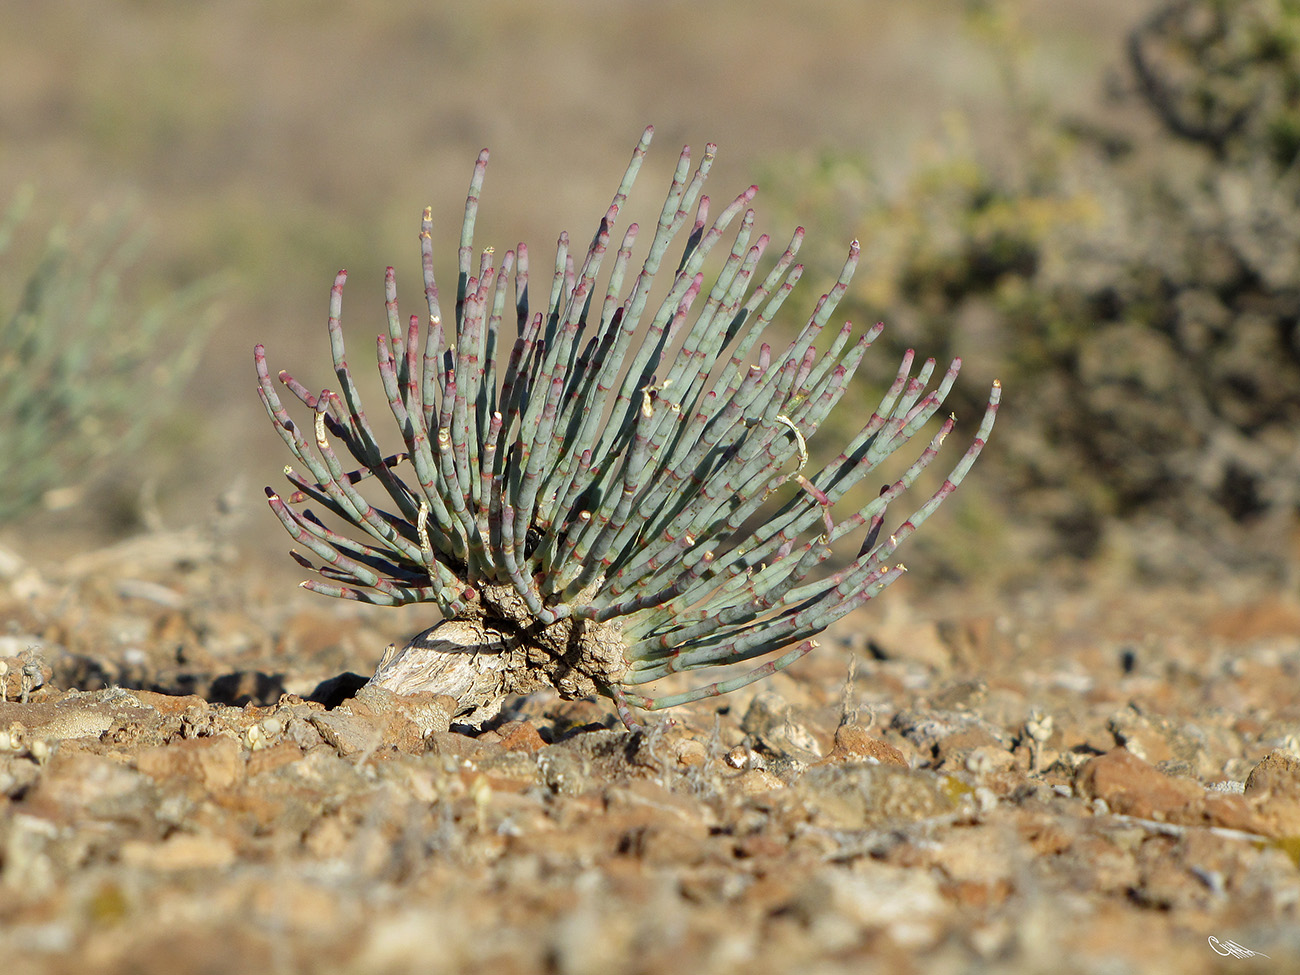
(650, 470)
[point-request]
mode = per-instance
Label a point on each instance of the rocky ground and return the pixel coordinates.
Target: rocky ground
(1095, 780)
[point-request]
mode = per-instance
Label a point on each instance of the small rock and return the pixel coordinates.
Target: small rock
(755, 781)
(1278, 773)
(974, 749)
(690, 752)
(1233, 812)
(1132, 787)
(1273, 787)
(453, 743)
(774, 725)
(853, 744)
(347, 732)
(216, 762)
(429, 713)
(520, 736)
(926, 729)
(78, 786)
(303, 733)
(1156, 740)
(376, 717)
(273, 757)
(1140, 736)
(744, 757)
(861, 796)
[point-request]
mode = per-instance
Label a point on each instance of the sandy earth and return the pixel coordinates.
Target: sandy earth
(1097, 780)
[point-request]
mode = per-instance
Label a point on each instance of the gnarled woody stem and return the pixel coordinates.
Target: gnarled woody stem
(499, 649)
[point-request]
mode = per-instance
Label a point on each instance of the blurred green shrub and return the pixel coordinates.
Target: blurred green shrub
(86, 368)
(1134, 276)
(1225, 75)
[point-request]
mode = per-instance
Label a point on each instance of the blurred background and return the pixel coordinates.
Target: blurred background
(1095, 201)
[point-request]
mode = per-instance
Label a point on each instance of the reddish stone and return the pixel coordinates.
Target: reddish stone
(853, 744)
(1134, 788)
(520, 736)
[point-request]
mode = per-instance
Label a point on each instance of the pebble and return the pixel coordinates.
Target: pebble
(1133, 787)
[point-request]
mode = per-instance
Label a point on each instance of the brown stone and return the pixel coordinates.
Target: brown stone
(169, 703)
(853, 744)
(756, 781)
(77, 785)
(405, 720)
(270, 759)
(1233, 812)
(462, 746)
(690, 752)
(216, 762)
(520, 736)
(1146, 739)
(1134, 788)
(974, 750)
(376, 717)
(862, 796)
(1278, 773)
(350, 734)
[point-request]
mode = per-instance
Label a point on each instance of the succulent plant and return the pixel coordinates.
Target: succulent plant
(615, 496)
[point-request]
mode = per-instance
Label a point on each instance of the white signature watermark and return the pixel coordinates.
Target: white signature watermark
(1232, 949)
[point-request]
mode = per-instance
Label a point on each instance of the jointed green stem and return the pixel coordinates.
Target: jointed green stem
(610, 468)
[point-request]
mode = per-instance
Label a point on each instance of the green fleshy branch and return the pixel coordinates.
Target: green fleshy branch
(614, 464)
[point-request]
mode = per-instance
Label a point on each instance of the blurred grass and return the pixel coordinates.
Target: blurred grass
(88, 368)
(281, 142)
